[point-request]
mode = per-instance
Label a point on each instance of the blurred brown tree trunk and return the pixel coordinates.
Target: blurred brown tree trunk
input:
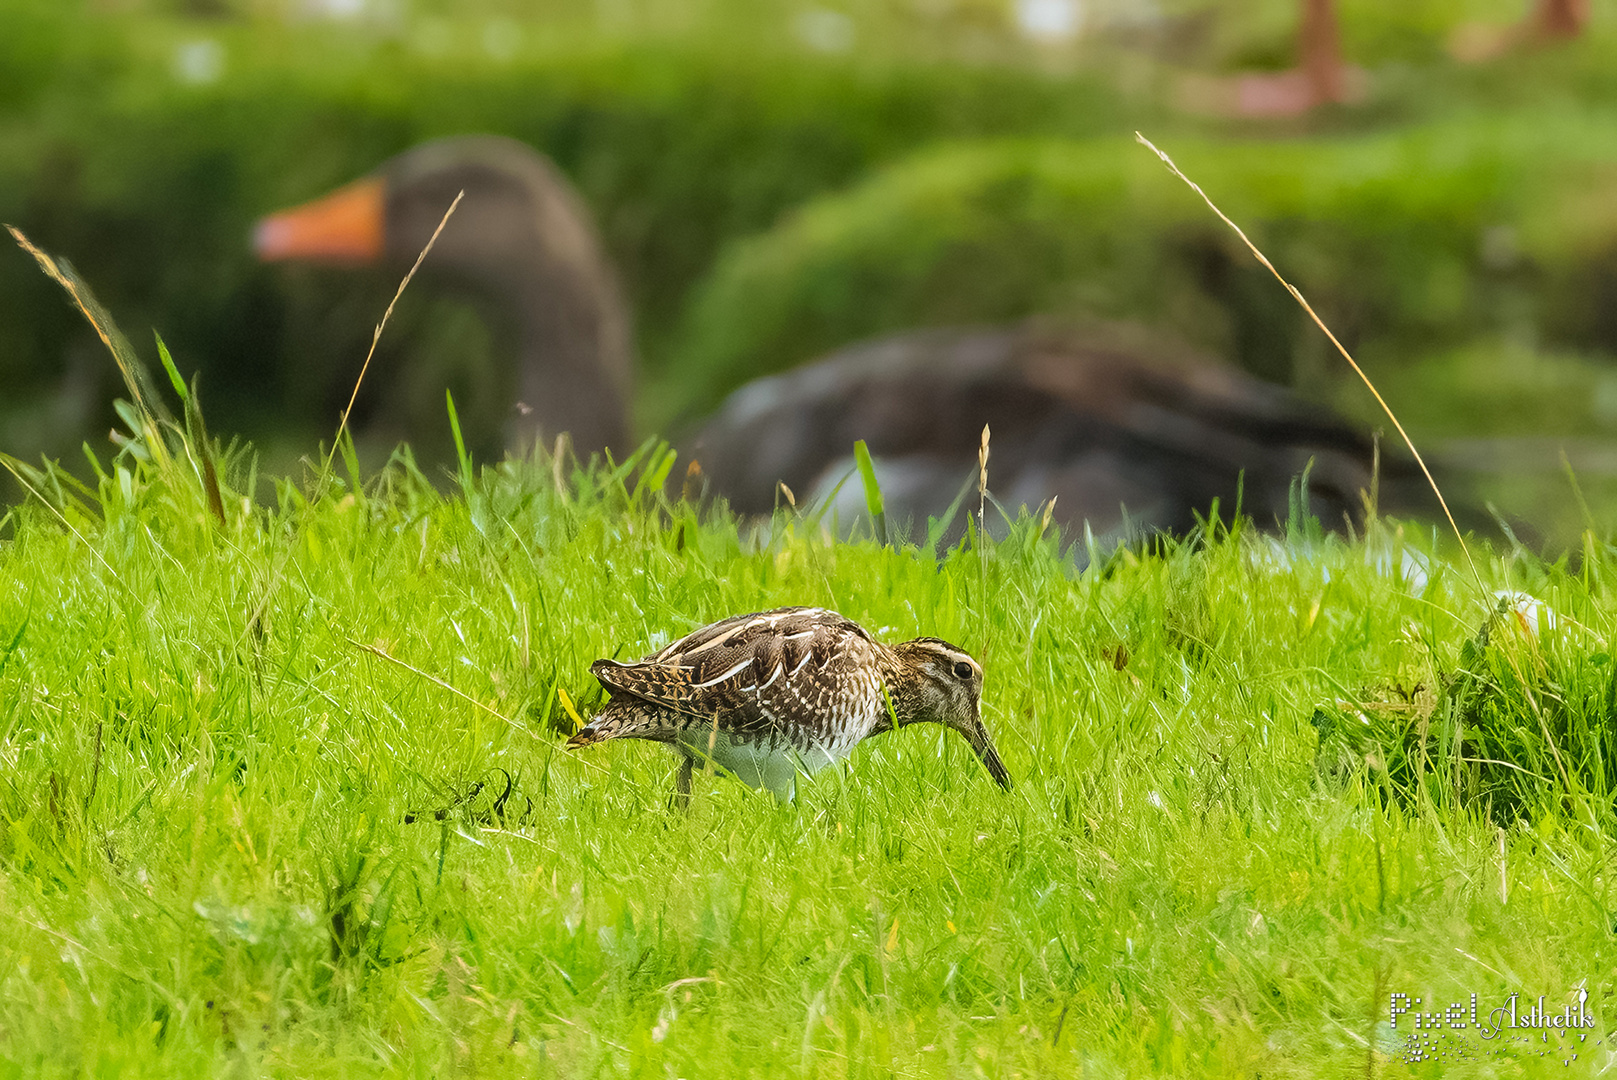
(1319, 48)
(1320, 77)
(1550, 22)
(1560, 18)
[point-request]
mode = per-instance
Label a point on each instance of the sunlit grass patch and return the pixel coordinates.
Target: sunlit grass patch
(284, 786)
(234, 836)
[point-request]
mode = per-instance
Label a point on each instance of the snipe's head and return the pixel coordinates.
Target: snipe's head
(936, 682)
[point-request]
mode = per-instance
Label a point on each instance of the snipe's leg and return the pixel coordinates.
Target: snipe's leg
(682, 784)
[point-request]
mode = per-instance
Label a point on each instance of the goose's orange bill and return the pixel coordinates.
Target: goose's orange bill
(345, 227)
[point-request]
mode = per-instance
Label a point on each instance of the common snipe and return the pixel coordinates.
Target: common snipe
(769, 695)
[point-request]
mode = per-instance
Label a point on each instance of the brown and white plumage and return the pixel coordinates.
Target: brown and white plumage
(768, 695)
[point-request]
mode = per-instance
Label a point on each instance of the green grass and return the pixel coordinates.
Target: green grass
(237, 838)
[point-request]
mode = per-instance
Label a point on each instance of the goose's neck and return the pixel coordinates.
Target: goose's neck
(572, 360)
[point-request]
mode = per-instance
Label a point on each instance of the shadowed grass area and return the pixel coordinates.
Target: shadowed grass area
(234, 838)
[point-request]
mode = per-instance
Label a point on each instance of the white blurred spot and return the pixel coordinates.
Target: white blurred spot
(1604, 401)
(502, 38)
(433, 36)
(1155, 799)
(1500, 249)
(1050, 21)
(573, 917)
(1526, 612)
(1269, 554)
(1415, 571)
(199, 62)
(824, 30)
(1413, 568)
(335, 9)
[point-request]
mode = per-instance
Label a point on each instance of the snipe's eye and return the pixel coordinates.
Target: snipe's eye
(962, 670)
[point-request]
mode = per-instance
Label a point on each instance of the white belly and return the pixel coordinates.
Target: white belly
(755, 764)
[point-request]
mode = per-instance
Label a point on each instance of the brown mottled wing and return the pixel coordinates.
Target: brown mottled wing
(751, 673)
(735, 630)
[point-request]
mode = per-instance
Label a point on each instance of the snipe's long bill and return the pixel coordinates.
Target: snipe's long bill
(770, 695)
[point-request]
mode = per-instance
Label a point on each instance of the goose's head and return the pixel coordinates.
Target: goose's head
(520, 236)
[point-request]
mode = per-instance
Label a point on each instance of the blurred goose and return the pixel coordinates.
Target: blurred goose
(1129, 434)
(521, 237)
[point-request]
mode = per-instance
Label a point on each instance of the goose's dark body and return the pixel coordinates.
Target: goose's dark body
(1128, 436)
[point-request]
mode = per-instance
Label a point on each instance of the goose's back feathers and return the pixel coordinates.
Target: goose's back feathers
(1128, 436)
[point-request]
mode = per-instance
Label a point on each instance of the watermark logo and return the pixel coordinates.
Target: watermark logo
(1464, 1031)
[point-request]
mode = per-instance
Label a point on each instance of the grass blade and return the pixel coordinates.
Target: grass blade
(342, 425)
(873, 499)
(129, 364)
(463, 462)
(168, 366)
(1354, 364)
(200, 447)
(11, 647)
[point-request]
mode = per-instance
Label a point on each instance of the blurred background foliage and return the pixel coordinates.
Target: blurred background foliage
(776, 178)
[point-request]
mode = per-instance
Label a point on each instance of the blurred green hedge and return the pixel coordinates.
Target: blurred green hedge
(1406, 243)
(766, 203)
(149, 183)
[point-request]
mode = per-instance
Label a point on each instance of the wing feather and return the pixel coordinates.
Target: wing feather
(739, 671)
